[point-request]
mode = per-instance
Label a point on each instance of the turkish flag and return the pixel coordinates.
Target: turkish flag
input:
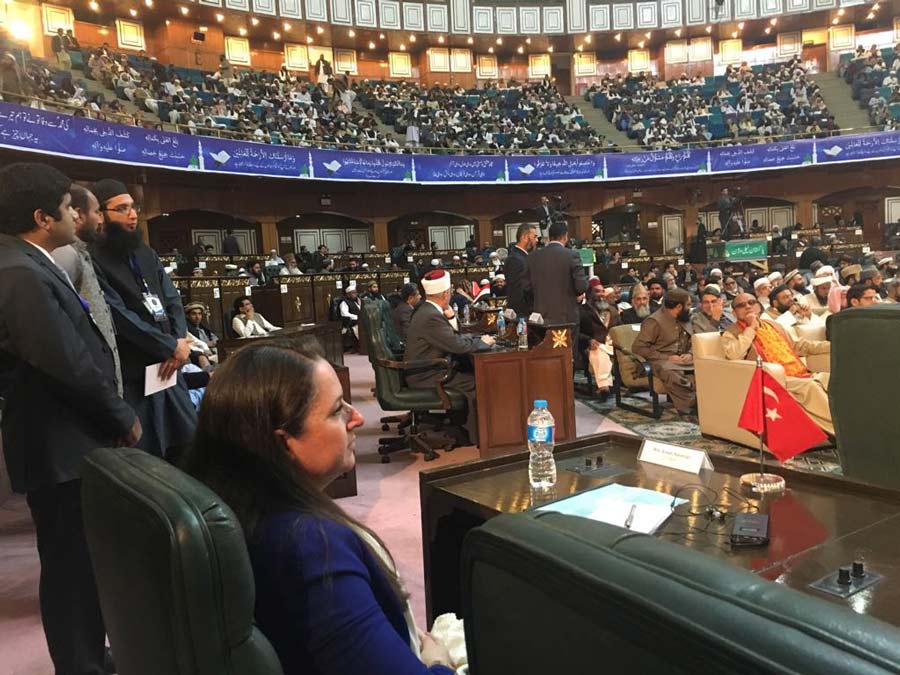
(476, 289)
(771, 411)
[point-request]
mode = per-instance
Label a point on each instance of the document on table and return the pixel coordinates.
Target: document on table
(613, 504)
(152, 381)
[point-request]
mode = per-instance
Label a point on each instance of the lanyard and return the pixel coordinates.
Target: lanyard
(138, 275)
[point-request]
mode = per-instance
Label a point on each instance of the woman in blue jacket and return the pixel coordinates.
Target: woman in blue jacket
(273, 432)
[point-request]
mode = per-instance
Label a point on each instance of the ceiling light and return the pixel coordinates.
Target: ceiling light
(768, 30)
(490, 50)
(470, 40)
(840, 12)
(402, 48)
(678, 33)
(870, 15)
(412, 38)
(381, 36)
(441, 39)
(309, 39)
(167, 23)
(521, 49)
(499, 41)
(834, 22)
(242, 30)
(184, 10)
(220, 18)
(351, 33)
(94, 5)
(254, 20)
(149, 3)
(527, 41)
(588, 38)
(580, 48)
(371, 45)
(102, 31)
(773, 20)
(709, 29)
(875, 7)
(550, 48)
(276, 35)
(648, 34)
(204, 29)
(618, 37)
(132, 11)
(320, 30)
(734, 35)
(287, 27)
(641, 44)
(741, 26)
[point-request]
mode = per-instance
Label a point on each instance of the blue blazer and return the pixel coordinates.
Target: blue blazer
(324, 603)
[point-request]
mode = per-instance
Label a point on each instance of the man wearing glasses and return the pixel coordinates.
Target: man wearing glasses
(149, 319)
(750, 337)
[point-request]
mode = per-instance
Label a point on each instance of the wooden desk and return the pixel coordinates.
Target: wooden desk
(328, 335)
(822, 522)
(507, 383)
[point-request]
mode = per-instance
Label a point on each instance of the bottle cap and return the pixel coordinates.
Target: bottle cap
(540, 403)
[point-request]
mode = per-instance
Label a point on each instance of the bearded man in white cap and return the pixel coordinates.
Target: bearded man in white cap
(431, 335)
(761, 288)
(350, 309)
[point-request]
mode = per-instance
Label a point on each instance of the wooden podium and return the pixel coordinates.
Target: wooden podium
(507, 383)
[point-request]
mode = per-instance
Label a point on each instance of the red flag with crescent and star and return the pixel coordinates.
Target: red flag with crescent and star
(771, 411)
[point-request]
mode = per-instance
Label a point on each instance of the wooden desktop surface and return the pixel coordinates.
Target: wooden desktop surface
(820, 523)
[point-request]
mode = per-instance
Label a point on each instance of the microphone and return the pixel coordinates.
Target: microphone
(509, 314)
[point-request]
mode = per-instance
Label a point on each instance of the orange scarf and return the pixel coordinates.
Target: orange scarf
(773, 348)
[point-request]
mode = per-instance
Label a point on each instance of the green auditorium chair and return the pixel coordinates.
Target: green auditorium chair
(172, 568)
(393, 394)
(862, 392)
(549, 593)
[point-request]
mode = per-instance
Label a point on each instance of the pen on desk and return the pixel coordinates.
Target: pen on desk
(630, 519)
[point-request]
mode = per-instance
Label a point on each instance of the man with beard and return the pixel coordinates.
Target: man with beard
(782, 301)
(656, 287)
(665, 342)
(597, 316)
(58, 381)
(797, 283)
(516, 269)
(498, 286)
(75, 259)
(149, 320)
(640, 305)
(817, 301)
(872, 278)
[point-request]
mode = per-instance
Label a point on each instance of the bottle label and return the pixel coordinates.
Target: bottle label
(540, 434)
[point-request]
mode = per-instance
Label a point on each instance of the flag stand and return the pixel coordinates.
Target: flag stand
(762, 482)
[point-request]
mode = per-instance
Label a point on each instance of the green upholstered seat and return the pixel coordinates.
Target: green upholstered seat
(863, 392)
(548, 593)
(173, 574)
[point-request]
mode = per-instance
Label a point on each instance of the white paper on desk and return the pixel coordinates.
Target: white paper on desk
(787, 319)
(152, 381)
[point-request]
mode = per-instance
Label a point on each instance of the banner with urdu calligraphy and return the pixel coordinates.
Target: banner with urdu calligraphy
(42, 131)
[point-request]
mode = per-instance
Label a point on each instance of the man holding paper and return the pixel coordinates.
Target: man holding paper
(150, 326)
(58, 379)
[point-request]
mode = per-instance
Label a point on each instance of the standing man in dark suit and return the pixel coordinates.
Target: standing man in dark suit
(516, 267)
(433, 334)
(545, 213)
(556, 279)
(402, 313)
(149, 319)
(725, 205)
(59, 382)
(230, 245)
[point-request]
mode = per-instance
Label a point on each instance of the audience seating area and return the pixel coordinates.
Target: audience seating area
(748, 104)
(872, 76)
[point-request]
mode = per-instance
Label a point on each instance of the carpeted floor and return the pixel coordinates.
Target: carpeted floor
(388, 501)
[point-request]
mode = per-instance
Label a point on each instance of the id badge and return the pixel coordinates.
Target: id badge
(155, 307)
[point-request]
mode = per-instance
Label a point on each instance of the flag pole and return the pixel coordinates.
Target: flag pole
(762, 482)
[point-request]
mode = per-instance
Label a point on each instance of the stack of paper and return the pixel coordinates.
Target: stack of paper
(614, 504)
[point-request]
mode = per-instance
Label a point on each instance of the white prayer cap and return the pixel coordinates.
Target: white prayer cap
(825, 271)
(435, 262)
(494, 255)
(351, 286)
(229, 266)
(775, 275)
(499, 276)
(436, 281)
(819, 280)
(484, 282)
(456, 257)
(761, 282)
(715, 271)
(885, 261)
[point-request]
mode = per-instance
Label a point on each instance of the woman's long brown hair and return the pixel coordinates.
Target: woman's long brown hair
(260, 389)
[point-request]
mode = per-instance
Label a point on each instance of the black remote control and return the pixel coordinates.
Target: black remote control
(750, 529)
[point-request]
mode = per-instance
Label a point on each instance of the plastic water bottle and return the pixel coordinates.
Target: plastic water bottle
(466, 314)
(522, 332)
(455, 309)
(501, 325)
(541, 464)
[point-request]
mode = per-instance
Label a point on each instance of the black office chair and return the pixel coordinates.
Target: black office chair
(395, 345)
(393, 394)
(172, 569)
(548, 593)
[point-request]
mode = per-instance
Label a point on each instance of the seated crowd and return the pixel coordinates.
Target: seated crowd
(872, 76)
(758, 104)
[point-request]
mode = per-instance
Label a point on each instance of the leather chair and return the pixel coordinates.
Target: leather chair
(863, 392)
(395, 345)
(393, 394)
(632, 372)
(172, 569)
(721, 386)
(548, 593)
